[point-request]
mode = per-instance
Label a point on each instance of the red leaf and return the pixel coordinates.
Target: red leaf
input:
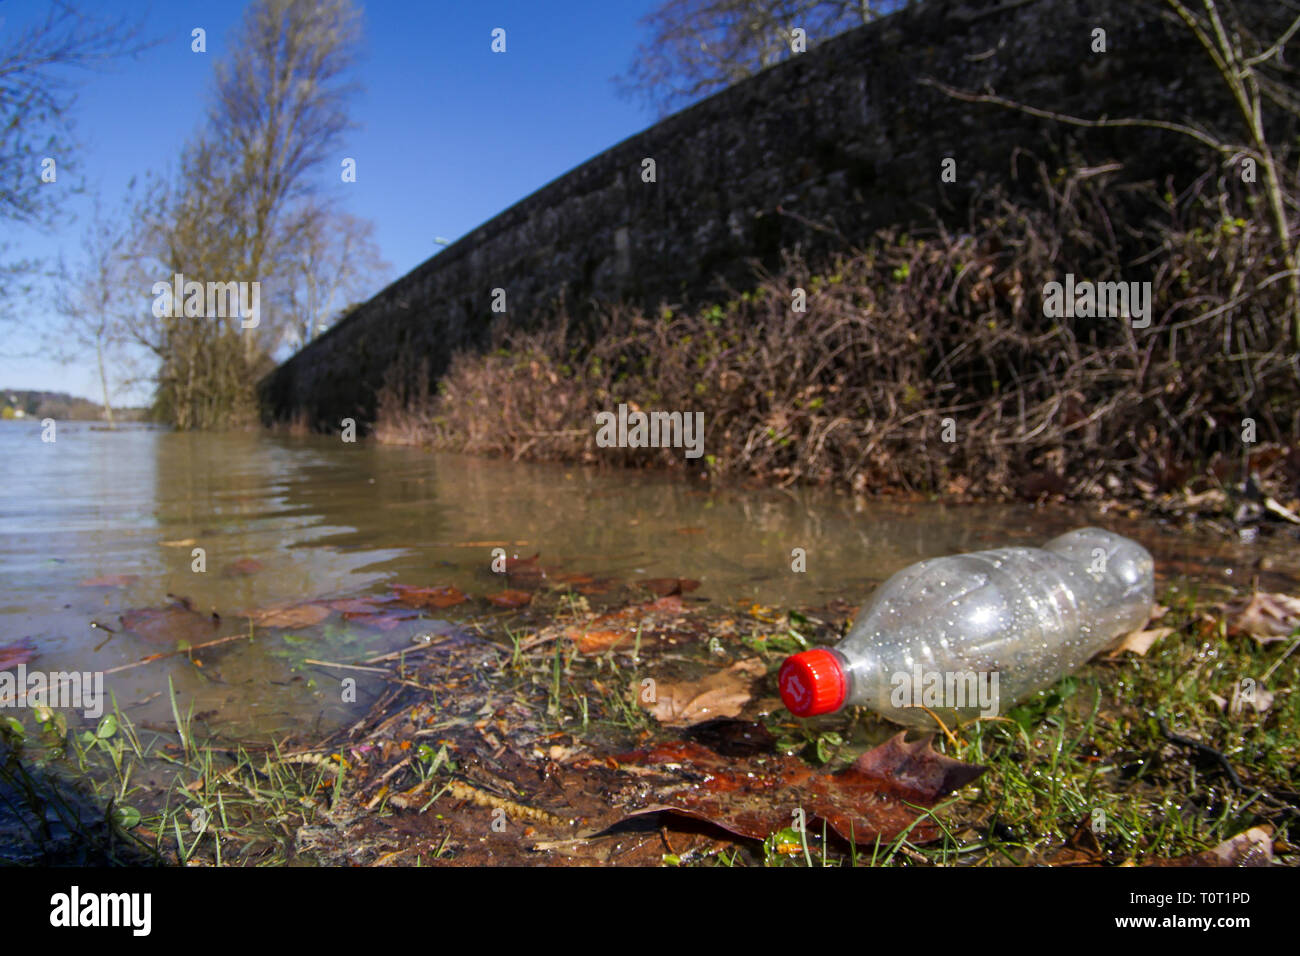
(110, 581)
(754, 797)
(434, 598)
(170, 625)
(510, 598)
(293, 615)
(19, 652)
(666, 586)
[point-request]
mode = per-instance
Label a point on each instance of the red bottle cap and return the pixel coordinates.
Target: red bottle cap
(812, 683)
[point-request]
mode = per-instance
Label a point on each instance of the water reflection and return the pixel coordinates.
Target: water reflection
(316, 518)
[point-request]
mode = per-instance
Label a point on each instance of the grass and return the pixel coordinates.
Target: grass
(1086, 771)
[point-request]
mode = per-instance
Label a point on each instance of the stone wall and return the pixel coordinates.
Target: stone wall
(815, 153)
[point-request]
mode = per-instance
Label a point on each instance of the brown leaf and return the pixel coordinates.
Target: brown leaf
(1252, 848)
(381, 621)
(521, 564)
(754, 797)
(1265, 617)
(110, 581)
(600, 586)
(170, 625)
(244, 567)
(510, 598)
(666, 586)
(721, 694)
(1081, 849)
(290, 615)
(595, 642)
(1139, 642)
(434, 598)
(19, 652)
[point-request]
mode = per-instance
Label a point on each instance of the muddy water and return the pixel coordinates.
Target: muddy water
(291, 520)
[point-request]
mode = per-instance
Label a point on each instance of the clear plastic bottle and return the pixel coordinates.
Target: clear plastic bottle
(971, 634)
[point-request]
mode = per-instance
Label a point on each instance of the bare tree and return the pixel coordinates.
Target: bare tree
(281, 108)
(698, 47)
(37, 95)
(1254, 72)
(239, 207)
(94, 298)
(337, 263)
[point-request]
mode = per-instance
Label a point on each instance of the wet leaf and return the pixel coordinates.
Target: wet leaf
(19, 652)
(356, 605)
(516, 563)
(666, 586)
(381, 620)
(126, 817)
(110, 581)
(292, 615)
(244, 567)
(1252, 848)
(733, 738)
(1265, 617)
(721, 694)
(573, 577)
(434, 598)
(754, 797)
(510, 598)
(600, 586)
(596, 641)
(182, 543)
(107, 727)
(170, 625)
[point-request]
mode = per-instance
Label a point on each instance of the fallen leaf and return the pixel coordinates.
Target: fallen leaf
(1258, 699)
(182, 543)
(1139, 642)
(733, 738)
(521, 564)
(110, 581)
(364, 605)
(595, 642)
(291, 615)
(510, 598)
(1081, 849)
(754, 797)
(434, 598)
(18, 652)
(720, 694)
(1265, 617)
(600, 586)
(242, 568)
(1252, 848)
(170, 625)
(384, 621)
(574, 578)
(666, 586)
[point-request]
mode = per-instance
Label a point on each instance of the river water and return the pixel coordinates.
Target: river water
(307, 519)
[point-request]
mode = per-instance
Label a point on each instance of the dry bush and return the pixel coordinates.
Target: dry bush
(916, 330)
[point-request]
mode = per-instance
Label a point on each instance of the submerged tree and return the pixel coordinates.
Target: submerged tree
(243, 206)
(95, 301)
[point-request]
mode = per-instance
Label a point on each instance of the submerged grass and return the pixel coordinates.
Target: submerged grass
(1128, 760)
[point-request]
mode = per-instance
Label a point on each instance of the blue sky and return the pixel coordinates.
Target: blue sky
(450, 133)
